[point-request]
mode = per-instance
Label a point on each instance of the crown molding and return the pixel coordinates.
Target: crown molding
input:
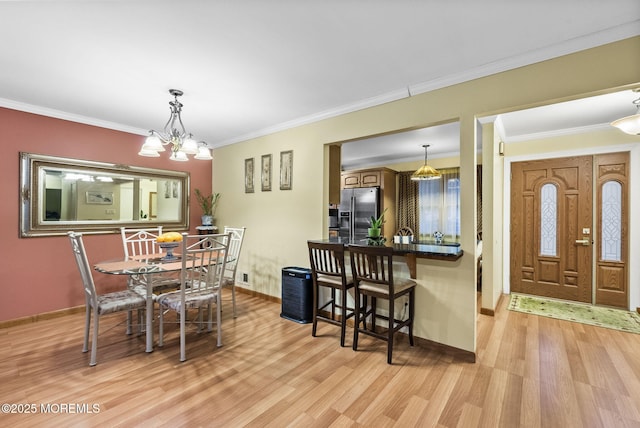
(558, 133)
(327, 114)
(59, 114)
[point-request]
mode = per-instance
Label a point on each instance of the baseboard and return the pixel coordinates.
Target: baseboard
(41, 317)
(491, 312)
(260, 295)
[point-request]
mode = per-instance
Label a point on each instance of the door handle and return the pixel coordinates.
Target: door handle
(584, 242)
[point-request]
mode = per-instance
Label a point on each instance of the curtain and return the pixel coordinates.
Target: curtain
(407, 202)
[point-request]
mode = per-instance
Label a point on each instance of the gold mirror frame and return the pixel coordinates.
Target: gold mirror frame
(35, 218)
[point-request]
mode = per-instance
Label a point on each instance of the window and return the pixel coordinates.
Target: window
(439, 206)
(548, 220)
(611, 221)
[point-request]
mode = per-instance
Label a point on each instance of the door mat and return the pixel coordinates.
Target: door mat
(616, 319)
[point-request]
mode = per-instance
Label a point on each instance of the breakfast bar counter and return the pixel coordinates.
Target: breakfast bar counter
(412, 252)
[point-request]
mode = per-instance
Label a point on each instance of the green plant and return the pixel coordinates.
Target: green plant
(208, 203)
(376, 223)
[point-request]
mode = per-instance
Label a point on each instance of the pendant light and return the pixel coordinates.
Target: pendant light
(426, 172)
(630, 124)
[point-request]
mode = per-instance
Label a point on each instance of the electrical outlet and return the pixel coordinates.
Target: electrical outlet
(245, 277)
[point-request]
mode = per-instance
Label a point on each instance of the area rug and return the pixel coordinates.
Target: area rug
(616, 319)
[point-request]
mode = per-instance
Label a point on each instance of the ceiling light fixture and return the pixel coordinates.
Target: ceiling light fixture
(630, 124)
(425, 172)
(182, 143)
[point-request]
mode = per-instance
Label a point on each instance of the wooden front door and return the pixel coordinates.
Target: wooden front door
(551, 209)
(552, 228)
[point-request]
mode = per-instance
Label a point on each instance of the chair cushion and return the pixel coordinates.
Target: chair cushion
(399, 285)
(333, 281)
(192, 300)
(120, 301)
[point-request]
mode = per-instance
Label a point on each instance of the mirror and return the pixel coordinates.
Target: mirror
(60, 194)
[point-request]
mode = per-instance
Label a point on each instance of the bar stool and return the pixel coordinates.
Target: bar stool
(328, 270)
(372, 269)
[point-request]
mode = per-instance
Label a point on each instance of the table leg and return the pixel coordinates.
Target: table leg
(149, 282)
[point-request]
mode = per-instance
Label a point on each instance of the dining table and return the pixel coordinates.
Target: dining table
(152, 269)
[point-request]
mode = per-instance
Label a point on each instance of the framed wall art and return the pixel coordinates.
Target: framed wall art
(248, 175)
(266, 173)
(101, 198)
(286, 169)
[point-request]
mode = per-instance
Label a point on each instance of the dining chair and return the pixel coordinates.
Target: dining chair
(372, 269)
(136, 242)
(328, 273)
(97, 305)
(142, 242)
(235, 245)
(203, 259)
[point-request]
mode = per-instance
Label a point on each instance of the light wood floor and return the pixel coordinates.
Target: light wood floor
(530, 371)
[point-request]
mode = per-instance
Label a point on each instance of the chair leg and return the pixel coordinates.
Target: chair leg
(94, 341)
(314, 326)
(140, 323)
(343, 320)
(129, 322)
(373, 313)
(412, 309)
(183, 354)
(87, 325)
(356, 319)
(233, 299)
(333, 303)
(210, 319)
(219, 317)
(161, 327)
(390, 330)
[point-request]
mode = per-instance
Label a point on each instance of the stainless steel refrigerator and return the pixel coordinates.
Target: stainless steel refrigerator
(356, 208)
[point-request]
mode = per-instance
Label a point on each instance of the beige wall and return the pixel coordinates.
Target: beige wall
(279, 222)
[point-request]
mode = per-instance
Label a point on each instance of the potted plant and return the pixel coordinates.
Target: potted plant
(375, 225)
(208, 205)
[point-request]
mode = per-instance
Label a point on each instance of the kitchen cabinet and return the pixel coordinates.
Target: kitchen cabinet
(353, 179)
(385, 179)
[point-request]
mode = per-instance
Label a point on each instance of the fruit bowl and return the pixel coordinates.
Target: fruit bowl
(169, 247)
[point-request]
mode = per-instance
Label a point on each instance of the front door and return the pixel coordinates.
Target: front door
(552, 228)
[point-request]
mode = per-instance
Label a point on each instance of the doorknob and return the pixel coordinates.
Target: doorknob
(584, 242)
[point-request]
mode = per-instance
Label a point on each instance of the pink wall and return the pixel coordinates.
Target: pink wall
(39, 274)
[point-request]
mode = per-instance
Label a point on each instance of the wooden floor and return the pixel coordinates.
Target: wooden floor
(530, 371)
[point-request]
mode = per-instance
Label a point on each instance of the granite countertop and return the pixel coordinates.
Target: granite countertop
(443, 252)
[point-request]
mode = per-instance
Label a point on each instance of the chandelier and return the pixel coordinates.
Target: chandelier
(630, 124)
(174, 134)
(426, 172)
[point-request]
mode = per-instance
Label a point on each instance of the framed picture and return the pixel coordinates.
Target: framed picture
(153, 204)
(99, 198)
(286, 169)
(248, 175)
(266, 173)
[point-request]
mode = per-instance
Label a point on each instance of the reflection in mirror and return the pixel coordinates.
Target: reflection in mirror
(62, 194)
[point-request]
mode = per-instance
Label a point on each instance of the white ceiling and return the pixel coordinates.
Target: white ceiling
(251, 67)
(587, 114)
